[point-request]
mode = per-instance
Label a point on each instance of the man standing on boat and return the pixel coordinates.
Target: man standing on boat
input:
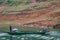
(44, 29)
(13, 29)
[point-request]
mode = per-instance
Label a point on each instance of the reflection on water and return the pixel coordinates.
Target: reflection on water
(55, 33)
(5, 36)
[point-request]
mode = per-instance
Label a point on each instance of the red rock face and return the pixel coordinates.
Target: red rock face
(37, 1)
(35, 19)
(47, 17)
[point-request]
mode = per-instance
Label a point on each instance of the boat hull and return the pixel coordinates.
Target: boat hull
(22, 33)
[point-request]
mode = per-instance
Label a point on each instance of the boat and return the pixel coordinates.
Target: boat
(22, 33)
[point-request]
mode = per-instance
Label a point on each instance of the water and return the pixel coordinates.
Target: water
(54, 35)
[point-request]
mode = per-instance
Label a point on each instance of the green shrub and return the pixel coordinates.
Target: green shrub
(13, 2)
(16, 3)
(1, 1)
(27, 3)
(9, 1)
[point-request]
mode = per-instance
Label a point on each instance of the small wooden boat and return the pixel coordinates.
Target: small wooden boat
(22, 33)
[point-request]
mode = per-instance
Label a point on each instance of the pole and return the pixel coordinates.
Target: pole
(10, 28)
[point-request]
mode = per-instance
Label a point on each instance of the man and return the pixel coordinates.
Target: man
(15, 30)
(44, 29)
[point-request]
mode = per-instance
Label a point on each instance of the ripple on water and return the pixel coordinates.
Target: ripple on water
(51, 38)
(7, 39)
(38, 36)
(14, 36)
(54, 33)
(4, 34)
(58, 39)
(22, 38)
(44, 37)
(18, 37)
(29, 36)
(3, 38)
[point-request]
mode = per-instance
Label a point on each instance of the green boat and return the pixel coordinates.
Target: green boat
(22, 33)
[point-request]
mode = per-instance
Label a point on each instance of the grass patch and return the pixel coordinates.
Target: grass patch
(15, 8)
(21, 28)
(5, 28)
(13, 2)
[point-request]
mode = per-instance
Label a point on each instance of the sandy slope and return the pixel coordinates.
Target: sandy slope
(46, 16)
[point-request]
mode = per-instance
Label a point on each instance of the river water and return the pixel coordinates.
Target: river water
(54, 35)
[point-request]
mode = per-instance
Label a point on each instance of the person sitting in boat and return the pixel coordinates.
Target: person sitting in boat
(43, 29)
(15, 30)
